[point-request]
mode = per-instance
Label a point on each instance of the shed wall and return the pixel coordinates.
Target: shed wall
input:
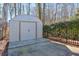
(14, 31)
(16, 27)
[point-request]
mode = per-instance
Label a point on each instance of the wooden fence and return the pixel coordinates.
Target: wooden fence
(67, 41)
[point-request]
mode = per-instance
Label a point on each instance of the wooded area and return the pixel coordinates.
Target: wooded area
(60, 20)
(48, 12)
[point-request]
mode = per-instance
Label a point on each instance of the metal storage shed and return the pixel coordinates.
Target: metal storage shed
(25, 27)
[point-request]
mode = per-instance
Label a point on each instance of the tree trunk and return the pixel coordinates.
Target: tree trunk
(28, 11)
(72, 9)
(15, 8)
(39, 10)
(56, 13)
(19, 9)
(43, 20)
(23, 9)
(5, 15)
(5, 11)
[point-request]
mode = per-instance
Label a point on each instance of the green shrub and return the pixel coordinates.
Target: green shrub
(46, 30)
(68, 30)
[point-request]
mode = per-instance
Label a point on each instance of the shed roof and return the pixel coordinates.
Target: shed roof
(26, 18)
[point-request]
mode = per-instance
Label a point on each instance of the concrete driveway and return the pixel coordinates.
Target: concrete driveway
(40, 47)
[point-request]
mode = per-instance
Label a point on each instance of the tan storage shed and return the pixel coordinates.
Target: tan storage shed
(25, 27)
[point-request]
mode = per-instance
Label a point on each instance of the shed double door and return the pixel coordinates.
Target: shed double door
(28, 30)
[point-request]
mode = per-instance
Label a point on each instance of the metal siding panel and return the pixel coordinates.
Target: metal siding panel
(14, 31)
(28, 30)
(39, 30)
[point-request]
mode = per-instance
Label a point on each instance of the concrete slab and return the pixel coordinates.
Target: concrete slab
(26, 42)
(40, 47)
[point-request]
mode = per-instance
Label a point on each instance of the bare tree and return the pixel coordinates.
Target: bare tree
(43, 20)
(48, 12)
(52, 12)
(0, 10)
(28, 11)
(15, 8)
(39, 10)
(23, 9)
(19, 9)
(72, 9)
(64, 12)
(5, 15)
(10, 11)
(5, 11)
(56, 12)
